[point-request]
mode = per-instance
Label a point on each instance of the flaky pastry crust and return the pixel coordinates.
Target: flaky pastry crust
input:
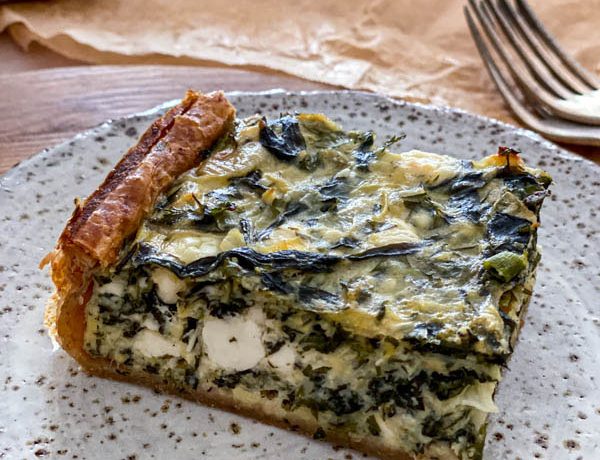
(111, 215)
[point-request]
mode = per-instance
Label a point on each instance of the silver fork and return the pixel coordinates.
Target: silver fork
(557, 94)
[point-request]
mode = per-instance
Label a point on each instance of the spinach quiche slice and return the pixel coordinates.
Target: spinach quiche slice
(304, 275)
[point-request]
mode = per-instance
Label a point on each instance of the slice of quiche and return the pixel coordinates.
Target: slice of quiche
(295, 272)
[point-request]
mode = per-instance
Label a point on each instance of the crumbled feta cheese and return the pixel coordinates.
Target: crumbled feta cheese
(115, 287)
(167, 284)
(234, 343)
(153, 345)
(283, 359)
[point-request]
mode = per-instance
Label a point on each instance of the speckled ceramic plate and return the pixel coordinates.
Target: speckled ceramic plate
(549, 399)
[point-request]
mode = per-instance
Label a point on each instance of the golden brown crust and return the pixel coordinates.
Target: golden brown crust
(99, 227)
(173, 144)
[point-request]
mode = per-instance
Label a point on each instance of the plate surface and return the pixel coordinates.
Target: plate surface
(549, 399)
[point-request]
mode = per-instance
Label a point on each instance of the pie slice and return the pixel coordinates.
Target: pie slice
(297, 273)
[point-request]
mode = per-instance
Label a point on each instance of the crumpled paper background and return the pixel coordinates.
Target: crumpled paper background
(418, 50)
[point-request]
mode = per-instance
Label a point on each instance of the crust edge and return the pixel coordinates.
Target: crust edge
(98, 227)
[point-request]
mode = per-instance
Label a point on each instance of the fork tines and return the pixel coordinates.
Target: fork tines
(554, 91)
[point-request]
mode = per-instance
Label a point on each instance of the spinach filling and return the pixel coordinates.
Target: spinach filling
(283, 138)
(386, 389)
(350, 260)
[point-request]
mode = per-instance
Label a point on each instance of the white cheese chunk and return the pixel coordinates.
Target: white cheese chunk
(167, 284)
(115, 287)
(283, 359)
(153, 345)
(234, 343)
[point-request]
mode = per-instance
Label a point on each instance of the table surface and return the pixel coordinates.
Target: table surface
(46, 98)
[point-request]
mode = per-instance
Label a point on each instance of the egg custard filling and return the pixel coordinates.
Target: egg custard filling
(305, 270)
